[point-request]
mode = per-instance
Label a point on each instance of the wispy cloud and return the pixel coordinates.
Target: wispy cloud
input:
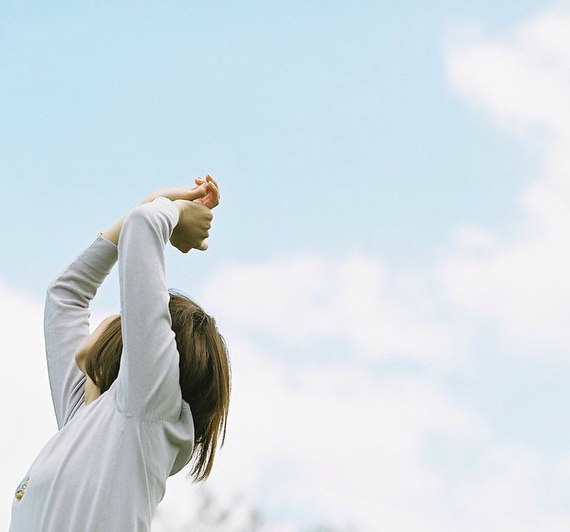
(522, 82)
(356, 300)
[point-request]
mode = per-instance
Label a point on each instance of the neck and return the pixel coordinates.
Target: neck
(91, 391)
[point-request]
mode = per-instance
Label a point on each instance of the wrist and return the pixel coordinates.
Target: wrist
(113, 234)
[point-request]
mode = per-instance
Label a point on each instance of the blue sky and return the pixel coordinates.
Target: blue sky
(300, 109)
(389, 216)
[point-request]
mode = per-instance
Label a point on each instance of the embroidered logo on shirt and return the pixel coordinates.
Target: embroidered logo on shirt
(21, 489)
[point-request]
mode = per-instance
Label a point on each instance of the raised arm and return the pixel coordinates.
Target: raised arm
(66, 322)
(68, 296)
(148, 381)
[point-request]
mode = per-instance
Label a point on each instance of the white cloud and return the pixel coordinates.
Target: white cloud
(519, 79)
(522, 81)
(335, 443)
(338, 445)
(472, 238)
(353, 299)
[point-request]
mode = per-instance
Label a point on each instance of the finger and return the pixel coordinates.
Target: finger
(212, 179)
(212, 198)
(182, 193)
(209, 179)
(215, 190)
(198, 192)
(214, 187)
(210, 203)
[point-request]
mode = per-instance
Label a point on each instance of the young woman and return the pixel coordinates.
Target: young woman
(143, 394)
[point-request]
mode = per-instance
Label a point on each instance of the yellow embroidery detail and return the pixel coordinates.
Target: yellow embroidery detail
(21, 489)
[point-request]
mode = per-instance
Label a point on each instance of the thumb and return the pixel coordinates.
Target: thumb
(203, 246)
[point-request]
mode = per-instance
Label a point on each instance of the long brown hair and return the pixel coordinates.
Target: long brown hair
(205, 373)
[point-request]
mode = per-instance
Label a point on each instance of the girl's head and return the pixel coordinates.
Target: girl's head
(205, 373)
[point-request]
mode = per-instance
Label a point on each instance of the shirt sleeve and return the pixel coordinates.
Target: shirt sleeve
(66, 322)
(148, 382)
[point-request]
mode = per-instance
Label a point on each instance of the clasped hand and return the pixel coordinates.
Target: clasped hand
(195, 205)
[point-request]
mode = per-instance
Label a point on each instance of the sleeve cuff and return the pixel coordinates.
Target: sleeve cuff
(101, 255)
(168, 206)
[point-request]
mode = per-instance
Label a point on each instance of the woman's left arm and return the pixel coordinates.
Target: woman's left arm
(66, 322)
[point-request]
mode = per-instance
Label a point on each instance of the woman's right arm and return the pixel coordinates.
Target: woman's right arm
(148, 380)
(147, 383)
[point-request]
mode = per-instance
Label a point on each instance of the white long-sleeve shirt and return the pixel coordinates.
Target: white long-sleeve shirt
(105, 470)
